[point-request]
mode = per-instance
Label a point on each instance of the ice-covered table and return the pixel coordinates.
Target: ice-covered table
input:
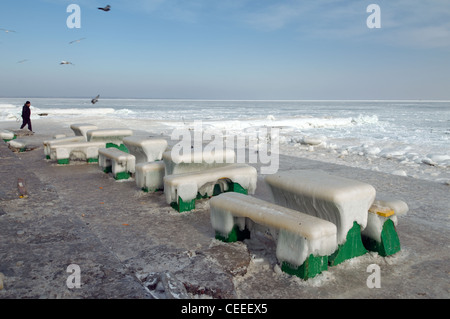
(145, 149)
(342, 201)
(196, 161)
(80, 129)
(112, 137)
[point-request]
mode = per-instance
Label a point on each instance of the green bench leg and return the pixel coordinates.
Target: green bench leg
(122, 176)
(65, 161)
(118, 176)
(353, 247)
(390, 243)
(235, 235)
(147, 190)
(313, 266)
(121, 147)
(183, 206)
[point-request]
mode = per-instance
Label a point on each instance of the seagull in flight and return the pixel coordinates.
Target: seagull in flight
(107, 8)
(22, 61)
(7, 31)
(95, 99)
(66, 62)
(77, 41)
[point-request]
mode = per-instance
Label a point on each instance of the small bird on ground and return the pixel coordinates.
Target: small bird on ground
(107, 8)
(95, 99)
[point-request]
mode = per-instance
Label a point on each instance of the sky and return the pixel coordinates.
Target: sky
(226, 49)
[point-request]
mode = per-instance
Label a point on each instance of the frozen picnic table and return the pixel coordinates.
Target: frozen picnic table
(344, 202)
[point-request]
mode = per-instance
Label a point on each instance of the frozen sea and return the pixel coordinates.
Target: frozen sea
(406, 138)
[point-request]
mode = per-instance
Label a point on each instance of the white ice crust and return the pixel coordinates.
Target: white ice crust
(108, 135)
(298, 235)
(48, 144)
(187, 185)
(339, 200)
(145, 149)
(119, 160)
(150, 175)
(80, 129)
(75, 150)
(197, 161)
(6, 135)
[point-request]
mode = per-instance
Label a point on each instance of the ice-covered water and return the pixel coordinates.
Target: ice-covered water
(401, 137)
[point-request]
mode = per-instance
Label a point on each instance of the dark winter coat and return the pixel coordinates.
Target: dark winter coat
(26, 112)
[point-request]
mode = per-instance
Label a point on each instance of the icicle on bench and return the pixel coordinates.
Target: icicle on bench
(342, 201)
(112, 137)
(119, 163)
(63, 153)
(380, 235)
(7, 136)
(145, 149)
(150, 176)
(182, 190)
(63, 140)
(82, 128)
(304, 242)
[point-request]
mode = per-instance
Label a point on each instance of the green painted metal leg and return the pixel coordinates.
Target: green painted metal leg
(353, 247)
(121, 147)
(235, 235)
(235, 187)
(313, 266)
(65, 161)
(122, 175)
(390, 243)
(183, 206)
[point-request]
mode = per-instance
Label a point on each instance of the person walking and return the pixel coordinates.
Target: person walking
(26, 114)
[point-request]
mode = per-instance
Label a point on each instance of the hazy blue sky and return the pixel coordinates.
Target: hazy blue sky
(226, 49)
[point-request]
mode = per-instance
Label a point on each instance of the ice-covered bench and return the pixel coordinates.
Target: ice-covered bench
(182, 190)
(150, 176)
(342, 201)
(80, 129)
(7, 136)
(18, 145)
(380, 235)
(304, 242)
(145, 149)
(112, 137)
(48, 144)
(63, 153)
(196, 161)
(121, 164)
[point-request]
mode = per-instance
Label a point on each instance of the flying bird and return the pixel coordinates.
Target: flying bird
(22, 61)
(95, 99)
(77, 41)
(66, 62)
(107, 8)
(7, 31)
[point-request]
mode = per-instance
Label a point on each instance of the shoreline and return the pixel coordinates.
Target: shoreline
(118, 235)
(393, 164)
